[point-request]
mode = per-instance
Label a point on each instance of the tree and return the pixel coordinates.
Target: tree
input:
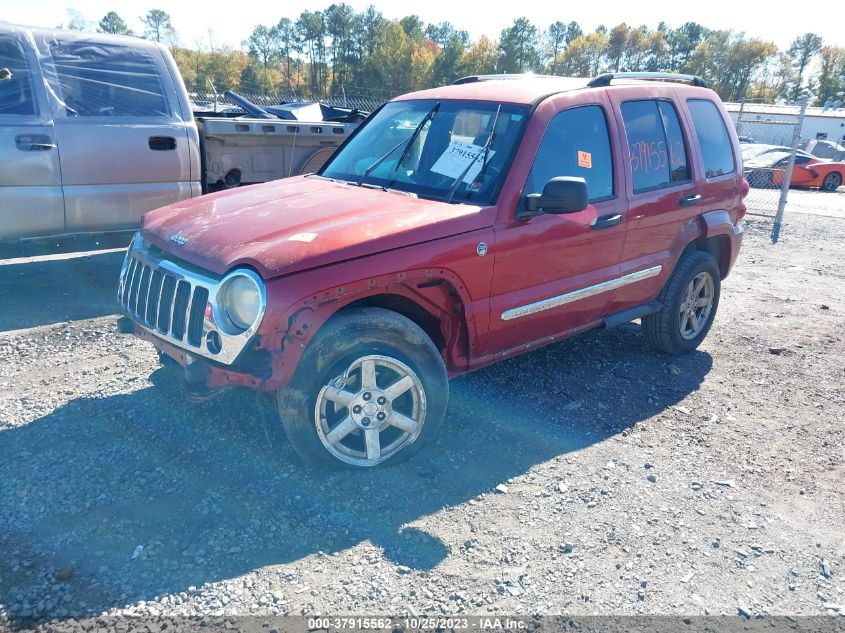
(76, 21)
(682, 43)
(555, 41)
(311, 27)
(830, 83)
(573, 30)
(340, 19)
(288, 42)
(114, 24)
(801, 52)
(263, 45)
(481, 57)
(413, 27)
(519, 48)
(157, 25)
(617, 42)
(584, 55)
(452, 45)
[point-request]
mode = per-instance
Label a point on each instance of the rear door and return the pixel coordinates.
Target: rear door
(125, 147)
(31, 202)
(664, 198)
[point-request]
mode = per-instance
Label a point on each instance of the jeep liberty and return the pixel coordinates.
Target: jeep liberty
(457, 227)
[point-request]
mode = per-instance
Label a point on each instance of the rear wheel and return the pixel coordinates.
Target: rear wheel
(689, 302)
(370, 389)
(832, 181)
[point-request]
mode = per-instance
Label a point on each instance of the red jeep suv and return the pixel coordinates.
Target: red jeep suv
(457, 227)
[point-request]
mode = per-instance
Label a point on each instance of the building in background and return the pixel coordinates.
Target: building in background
(773, 124)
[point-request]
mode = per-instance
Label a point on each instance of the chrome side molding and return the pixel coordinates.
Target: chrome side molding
(582, 293)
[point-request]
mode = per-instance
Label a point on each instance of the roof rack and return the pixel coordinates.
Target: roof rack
(473, 78)
(605, 79)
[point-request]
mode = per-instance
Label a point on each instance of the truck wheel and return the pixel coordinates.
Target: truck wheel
(832, 181)
(370, 389)
(689, 302)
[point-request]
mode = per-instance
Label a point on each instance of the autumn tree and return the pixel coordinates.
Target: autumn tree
(481, 57)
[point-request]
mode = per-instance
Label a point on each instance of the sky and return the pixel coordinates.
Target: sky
(195, 21)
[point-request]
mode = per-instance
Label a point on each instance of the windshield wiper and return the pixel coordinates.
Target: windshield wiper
(484, 151)
(410, 140)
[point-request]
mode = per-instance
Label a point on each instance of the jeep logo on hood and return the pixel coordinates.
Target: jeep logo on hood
(179, 239)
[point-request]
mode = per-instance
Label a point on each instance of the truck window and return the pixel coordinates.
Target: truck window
(576, 143)
(712, 136)
(656, 145)
(107, 80)
(16, 95)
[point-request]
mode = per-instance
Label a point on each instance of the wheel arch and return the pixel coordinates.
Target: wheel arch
(437, 304)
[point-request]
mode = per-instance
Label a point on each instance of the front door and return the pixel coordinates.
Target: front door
(555, 273)
(31, 202)
(125, 145)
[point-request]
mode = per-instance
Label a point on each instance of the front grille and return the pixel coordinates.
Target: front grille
(161, 301)
(175, 303)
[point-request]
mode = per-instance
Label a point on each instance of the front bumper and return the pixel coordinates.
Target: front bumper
(177, 305)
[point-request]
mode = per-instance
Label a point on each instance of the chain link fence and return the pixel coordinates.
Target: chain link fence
(217, 102)
(769, 136)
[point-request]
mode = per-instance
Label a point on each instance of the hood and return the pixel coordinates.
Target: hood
(297, 223)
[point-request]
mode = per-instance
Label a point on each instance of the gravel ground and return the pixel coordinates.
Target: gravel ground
(590, 477)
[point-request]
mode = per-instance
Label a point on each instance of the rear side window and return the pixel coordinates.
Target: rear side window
(576, 143)
(16, 95)
(656, 145)
(712, 136)
(107, 80)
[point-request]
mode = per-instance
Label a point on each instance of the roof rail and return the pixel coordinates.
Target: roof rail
(473, 78)
(605, 79)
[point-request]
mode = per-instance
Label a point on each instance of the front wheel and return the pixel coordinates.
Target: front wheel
(832, 181)
(370, 389)
(689, 302)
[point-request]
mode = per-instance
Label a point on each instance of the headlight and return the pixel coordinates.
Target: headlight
(240, 300)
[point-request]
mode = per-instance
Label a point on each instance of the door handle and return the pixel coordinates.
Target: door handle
(34, 142)
(162, 143)
(691, 200)
(606, 221)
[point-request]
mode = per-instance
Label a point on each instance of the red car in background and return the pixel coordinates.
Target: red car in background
(769, 169)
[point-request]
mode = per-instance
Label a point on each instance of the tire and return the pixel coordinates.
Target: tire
(333, 421)
(832, 181)
(671, 330)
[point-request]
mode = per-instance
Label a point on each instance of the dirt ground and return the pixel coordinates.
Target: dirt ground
(590, 477)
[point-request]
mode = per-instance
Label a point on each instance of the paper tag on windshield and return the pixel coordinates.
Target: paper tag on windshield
(457, 157)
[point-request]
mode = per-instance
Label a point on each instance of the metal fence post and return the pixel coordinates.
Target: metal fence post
(787, 177)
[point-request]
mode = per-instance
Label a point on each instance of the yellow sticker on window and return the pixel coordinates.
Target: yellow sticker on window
(585, 159)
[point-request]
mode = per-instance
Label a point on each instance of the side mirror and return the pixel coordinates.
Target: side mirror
(563, 194)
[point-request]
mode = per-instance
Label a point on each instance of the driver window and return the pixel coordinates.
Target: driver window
(576, 143)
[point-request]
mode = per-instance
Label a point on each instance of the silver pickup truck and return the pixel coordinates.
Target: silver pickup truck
(97, 129)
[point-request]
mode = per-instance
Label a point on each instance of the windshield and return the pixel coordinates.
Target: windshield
(434, 149)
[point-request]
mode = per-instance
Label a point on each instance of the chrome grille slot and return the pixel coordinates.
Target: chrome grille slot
(153, 298)
(197, 315)
(165, 310)
(180, 309)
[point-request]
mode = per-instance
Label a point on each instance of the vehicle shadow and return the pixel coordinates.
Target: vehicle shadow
(47, 291)
(210, 496)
